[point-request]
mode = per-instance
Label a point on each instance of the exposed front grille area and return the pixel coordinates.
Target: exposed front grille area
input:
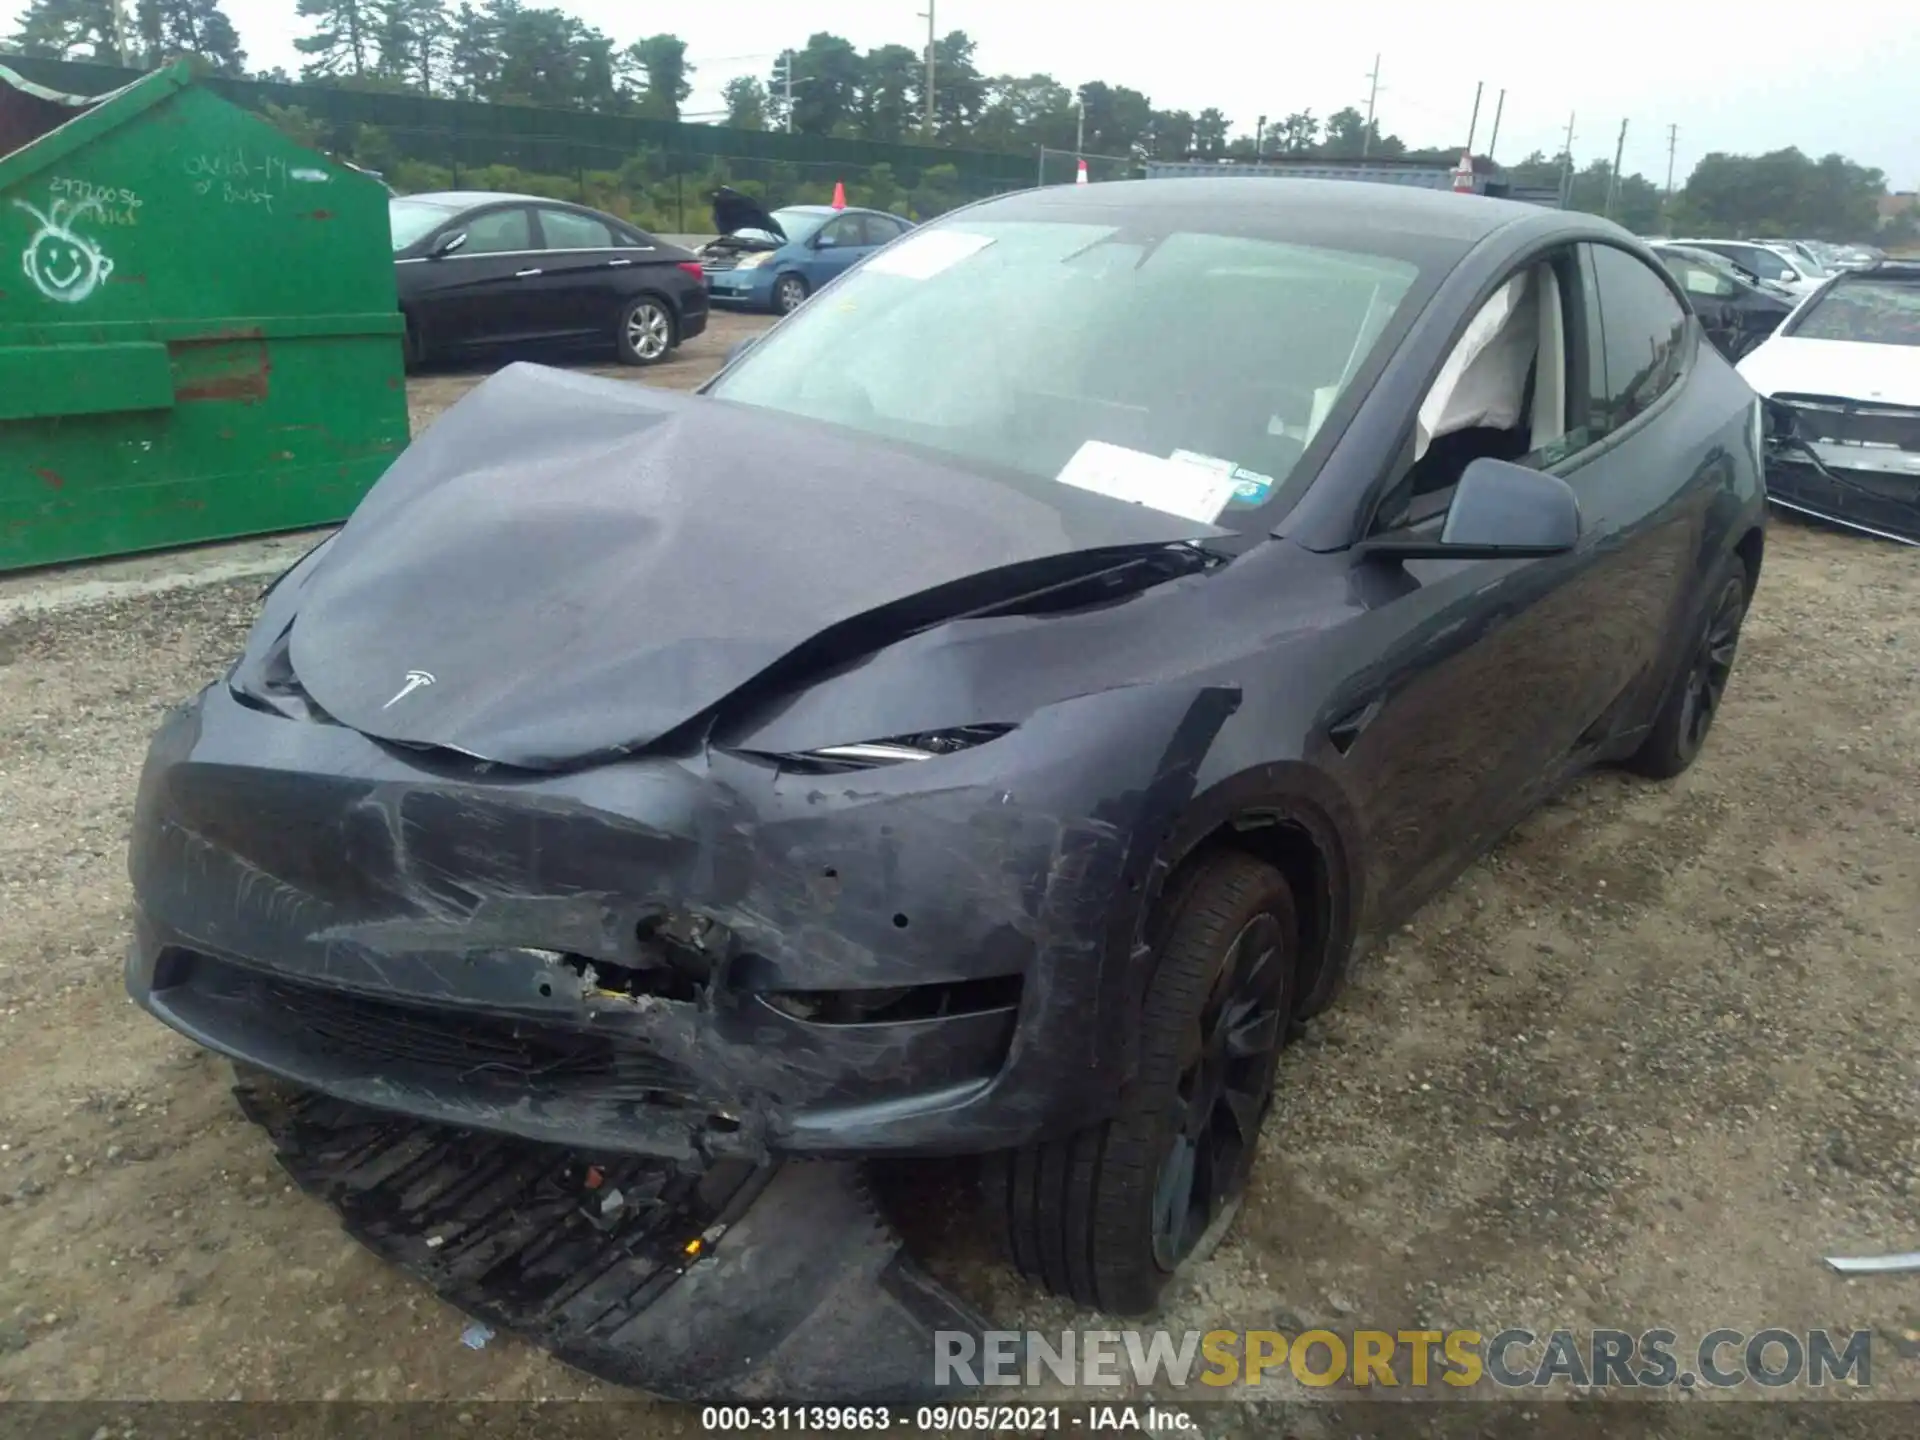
(1856, 422)
(526, 1057)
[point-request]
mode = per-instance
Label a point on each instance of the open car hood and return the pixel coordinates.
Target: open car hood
(566, 567)
(733, 211)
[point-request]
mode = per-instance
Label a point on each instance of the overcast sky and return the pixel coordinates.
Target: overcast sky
(1744, 79)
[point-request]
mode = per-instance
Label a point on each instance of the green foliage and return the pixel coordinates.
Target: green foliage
(1783, 193)
(198, 28)
(746, 100)
(296, 124)
(660, 63)
(66, 30)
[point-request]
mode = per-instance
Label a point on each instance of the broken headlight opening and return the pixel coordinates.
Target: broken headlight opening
(898, 1004)
(897, 750)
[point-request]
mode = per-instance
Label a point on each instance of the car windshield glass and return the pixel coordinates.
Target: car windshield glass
(1870, 312)
(1019, 345)
(410, 219)
(797, 224)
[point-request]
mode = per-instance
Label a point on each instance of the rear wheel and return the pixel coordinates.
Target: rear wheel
(1680, 729)
(646, 331)
(789, 294)
(1108, 1215)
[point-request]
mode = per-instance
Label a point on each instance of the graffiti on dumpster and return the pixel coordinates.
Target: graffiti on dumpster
(236, 179)
(63, 264)
(115, 205)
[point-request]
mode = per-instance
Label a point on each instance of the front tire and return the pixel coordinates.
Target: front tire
(1680, 729)
(789, 294)
(646, 331)
(1107, 1216)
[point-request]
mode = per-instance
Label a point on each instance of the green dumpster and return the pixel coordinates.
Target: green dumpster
(199, 335)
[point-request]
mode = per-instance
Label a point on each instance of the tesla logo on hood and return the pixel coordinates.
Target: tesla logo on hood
(416, 680)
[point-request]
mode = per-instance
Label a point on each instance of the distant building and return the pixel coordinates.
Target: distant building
(1488, 177)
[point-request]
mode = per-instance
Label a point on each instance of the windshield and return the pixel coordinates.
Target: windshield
(1868, 312)
(797, 224)
(1087, 354)
(411, 219)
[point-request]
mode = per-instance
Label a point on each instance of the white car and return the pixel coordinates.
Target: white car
(1845, 369)
(1786, 269)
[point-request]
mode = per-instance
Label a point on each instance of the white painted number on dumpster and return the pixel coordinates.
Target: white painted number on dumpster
(63, 264)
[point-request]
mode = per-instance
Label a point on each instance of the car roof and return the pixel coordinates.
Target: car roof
(1404, 221)
(829, 210)
(468, 199)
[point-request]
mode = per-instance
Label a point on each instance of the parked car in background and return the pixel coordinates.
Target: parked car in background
(482, 271)
(1807, 256)
(1736, 307)
(773, 260)
(1795, 274)
(1844, 373)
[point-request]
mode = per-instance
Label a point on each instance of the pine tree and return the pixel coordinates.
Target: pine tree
(343, 41)
(170, 28)
(67, 30)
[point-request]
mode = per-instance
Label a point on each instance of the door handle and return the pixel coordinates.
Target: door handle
(612, 263)
(523, 274)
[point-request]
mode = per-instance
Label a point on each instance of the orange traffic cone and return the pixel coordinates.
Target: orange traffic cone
(1081, 177)
(839, 195)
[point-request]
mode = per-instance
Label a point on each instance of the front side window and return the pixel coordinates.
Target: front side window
(412, 219)
(1643, 338)
(1697, 279)
(1013, 346)
(1865, 311)
(497, 232)
(570, 230)
(1764, 262)
(842, 232)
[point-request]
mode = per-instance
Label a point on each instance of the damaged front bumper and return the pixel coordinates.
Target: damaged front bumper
(696, 958)
(1853, 463)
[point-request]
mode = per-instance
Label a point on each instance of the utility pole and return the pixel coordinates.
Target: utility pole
(1373, 92)
(1473, 125)
(120, 31)
(1494, 139)
(1566, 167)
(926, 121)
(1259, 138)
(1613, 180)
(1080, 127)
(783, 77)
(1673, 138)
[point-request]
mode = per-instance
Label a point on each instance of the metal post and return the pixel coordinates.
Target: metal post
(1373, 91)
(1473, 125)
(1566, 167)
(1041, 177)
(1613, 180)
(1494, 139)
(120, 31)
(1259, 138)
(926, 121)
(1080, 131)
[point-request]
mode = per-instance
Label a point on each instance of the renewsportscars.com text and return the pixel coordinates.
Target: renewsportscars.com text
(1509, 1359)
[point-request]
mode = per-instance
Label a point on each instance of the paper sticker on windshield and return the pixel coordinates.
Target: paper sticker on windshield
(923, 256)
(1196, 489)
(1250, 487)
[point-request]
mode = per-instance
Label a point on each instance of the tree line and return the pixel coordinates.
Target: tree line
(509, 52)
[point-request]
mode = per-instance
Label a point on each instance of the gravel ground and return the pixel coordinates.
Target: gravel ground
(1642, 1066)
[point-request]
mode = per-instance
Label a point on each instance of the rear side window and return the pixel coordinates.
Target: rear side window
(1642, 340)
(497, 232)
(568, 230)
(1867, 312)
(880, 229)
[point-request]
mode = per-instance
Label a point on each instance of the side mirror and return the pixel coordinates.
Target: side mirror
(1500, 511)
(737, 349)
(450, 244)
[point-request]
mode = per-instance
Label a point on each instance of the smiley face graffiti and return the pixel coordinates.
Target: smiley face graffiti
(63, 265)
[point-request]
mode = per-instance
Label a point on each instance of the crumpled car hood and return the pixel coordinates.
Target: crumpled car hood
(566, 567)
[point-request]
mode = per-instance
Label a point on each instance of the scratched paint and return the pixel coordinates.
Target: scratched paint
(62, 264)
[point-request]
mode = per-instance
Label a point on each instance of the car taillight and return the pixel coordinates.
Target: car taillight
(692, 267)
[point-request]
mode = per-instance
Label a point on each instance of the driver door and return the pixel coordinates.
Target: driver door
(839, 243)
(1490, 669)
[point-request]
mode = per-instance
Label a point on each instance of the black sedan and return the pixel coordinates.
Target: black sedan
(1736, 307)
(987, 720)
(484, 272)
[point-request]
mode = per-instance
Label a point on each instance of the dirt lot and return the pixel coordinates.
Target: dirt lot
(1643, 1066)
